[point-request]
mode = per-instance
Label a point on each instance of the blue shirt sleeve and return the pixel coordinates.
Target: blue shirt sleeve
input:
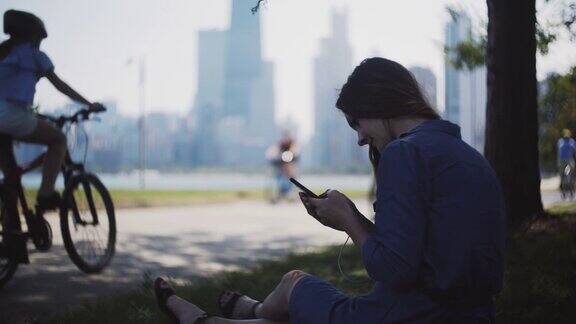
(43, 63)
(392, 254)
(31, 59)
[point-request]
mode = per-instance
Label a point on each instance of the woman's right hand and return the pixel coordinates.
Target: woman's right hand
(332, 209)
(306, 202)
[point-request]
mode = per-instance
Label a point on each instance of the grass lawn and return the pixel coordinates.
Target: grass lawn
(539, 288)
(128, 198)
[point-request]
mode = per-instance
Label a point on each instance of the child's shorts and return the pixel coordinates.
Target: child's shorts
(16, 120)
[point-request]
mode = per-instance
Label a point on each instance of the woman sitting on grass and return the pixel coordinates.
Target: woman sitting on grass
(436, 249)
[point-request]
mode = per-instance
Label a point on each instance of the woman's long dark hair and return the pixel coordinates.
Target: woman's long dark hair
(379, 88)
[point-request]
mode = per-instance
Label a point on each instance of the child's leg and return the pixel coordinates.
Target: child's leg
(45, 133)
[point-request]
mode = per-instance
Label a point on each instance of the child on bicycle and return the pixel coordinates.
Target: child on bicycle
(22, 65)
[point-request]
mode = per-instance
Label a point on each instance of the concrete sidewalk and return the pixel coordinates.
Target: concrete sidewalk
(182, 242)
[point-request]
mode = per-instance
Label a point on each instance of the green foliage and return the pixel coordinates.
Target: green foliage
(557, 111)
(544, 37)
(468, 54)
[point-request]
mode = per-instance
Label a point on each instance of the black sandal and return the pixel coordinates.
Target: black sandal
(162, 295)
(227, 309)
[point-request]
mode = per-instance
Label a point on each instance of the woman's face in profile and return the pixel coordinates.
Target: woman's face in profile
(371, 132)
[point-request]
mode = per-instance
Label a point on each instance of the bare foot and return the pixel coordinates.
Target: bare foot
(186, 312)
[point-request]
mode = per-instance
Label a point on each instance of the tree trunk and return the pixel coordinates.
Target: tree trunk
(511, 115)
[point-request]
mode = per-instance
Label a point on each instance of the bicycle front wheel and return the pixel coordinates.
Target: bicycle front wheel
(88, 223)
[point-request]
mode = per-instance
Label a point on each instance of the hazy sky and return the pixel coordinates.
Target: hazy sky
(91, 42)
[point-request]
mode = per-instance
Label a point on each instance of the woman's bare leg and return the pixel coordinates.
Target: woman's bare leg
(274, 309)
(45, 133)
(275, 306)
(188, 313)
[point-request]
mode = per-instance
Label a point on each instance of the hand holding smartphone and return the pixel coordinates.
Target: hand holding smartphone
(304, 189)
(310, 194)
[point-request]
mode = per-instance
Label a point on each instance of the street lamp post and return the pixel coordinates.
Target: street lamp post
(142, 122)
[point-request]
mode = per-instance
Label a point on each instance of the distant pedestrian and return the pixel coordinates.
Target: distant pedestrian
(566, 163)
(566, 150)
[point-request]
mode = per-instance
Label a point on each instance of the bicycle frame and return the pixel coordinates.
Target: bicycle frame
(13, 181)
(77, 188)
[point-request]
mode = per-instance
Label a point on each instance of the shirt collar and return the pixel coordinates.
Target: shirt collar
(437, 125)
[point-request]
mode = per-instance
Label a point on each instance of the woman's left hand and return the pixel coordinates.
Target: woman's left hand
(335, 210)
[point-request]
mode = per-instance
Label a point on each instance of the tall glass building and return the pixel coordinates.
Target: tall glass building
(465, 90)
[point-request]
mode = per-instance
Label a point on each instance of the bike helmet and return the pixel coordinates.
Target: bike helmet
(23, 25)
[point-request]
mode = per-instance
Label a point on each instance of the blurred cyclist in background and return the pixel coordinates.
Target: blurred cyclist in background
(283, 157)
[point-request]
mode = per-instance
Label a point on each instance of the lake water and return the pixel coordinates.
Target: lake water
(219, 181)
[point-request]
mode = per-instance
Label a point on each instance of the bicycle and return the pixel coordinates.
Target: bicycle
(86, 209)
(567, 182)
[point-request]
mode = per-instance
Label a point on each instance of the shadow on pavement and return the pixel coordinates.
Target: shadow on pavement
(51, 283)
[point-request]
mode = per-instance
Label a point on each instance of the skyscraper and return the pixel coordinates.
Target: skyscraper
(209, 99)
(334, 141)
(235, 105)
(465, 90)
(243, 59)
(427, 82)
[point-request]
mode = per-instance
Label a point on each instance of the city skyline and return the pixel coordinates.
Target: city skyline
(91, 51)
(334, 143)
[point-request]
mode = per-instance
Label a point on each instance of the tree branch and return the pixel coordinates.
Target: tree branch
(256, 7)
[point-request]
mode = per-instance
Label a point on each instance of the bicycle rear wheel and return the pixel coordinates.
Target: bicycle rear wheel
(8, 265)
(88, 223)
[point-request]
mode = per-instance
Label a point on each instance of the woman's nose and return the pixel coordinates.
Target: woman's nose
(362, 140)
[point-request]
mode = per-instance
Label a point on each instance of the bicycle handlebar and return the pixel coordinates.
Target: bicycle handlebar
(80, 115)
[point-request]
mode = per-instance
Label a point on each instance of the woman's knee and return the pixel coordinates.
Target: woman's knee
(293, 276)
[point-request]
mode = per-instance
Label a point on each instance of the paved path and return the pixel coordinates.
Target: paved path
(180, 241)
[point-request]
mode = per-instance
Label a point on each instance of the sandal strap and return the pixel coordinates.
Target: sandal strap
(253, 310)
(227, 309)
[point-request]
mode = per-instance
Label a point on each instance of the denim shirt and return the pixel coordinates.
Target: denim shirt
(440, 218)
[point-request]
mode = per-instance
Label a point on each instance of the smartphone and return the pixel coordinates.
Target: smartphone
(306, 190)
